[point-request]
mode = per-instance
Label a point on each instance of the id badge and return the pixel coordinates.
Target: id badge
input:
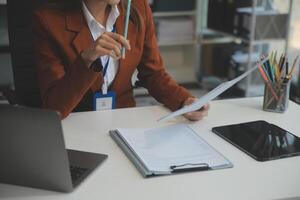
(104, 101)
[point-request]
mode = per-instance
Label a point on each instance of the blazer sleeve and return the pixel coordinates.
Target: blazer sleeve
(152, 74)
(61, 90)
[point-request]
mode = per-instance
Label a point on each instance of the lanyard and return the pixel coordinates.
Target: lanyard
(105, 81)
(106, 66)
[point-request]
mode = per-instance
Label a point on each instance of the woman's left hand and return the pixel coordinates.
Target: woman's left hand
(196, 115)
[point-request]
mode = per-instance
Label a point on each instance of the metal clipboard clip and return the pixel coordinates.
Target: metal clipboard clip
(189, 167)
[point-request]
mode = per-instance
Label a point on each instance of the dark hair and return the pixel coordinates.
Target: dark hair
(64, 4)
(135, 17)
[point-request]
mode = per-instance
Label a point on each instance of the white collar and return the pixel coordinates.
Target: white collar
(95, 26)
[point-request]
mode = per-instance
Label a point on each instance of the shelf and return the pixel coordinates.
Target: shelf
(174, 13)
(217, 40)
(183, 75)
(4, 49)
(263, 41)
(226, 34)
(176, 43)
(241, 39)
(2, 101)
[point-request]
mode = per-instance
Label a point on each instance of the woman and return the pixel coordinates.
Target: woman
(77, 46)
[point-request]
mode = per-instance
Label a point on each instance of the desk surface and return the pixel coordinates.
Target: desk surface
(117, 178)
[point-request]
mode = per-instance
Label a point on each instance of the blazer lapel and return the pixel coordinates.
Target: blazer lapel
(75, 22)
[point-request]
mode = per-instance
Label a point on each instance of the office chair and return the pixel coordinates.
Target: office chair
(21, 48)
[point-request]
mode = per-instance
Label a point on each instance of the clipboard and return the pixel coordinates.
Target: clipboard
(168, 150)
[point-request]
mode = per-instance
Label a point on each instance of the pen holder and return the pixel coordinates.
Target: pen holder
(276, 97)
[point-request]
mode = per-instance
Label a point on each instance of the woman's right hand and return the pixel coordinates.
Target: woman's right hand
(108, 44)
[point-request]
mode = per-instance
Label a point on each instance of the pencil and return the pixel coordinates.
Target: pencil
(275, 58)
(286, 68)
(126, 26)
(268, 69)
(281, 64)
(277, 70)
(293, 67)
(275, 66)
(272, 71)
(264, 76)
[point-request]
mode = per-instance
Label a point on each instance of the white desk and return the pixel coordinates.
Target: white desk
(118, 179)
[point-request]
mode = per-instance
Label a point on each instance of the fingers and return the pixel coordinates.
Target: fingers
(193, 116)
(197, 115)
(111, 46)
(205, 107)
(111, 40)
(189, 101)
(108, 44)
(119, 38)
(103, 51)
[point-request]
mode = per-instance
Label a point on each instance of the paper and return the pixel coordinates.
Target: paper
(161, 148)
(211, 95)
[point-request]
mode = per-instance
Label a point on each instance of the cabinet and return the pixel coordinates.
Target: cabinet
(176, 27)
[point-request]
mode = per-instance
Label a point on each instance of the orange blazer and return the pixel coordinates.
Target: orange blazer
(68, 85)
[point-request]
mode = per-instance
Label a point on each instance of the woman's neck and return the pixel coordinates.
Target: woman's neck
(99, 9)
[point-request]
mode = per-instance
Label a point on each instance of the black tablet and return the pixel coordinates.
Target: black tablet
(261, 140)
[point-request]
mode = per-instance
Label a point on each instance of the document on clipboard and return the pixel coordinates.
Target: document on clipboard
(211, 95)
(168, 150)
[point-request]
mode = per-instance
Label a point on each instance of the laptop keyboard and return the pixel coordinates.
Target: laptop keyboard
(77, 173)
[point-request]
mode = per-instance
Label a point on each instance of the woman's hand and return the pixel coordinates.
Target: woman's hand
(196, 115)
(108, 44)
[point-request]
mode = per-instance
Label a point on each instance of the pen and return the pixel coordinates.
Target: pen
(126, 26)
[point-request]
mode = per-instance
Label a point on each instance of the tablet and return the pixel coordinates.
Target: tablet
(261, 140)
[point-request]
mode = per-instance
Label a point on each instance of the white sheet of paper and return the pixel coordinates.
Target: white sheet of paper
(211, 95)
(160, 148)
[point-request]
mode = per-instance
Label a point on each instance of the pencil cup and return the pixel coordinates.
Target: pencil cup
(276, 97)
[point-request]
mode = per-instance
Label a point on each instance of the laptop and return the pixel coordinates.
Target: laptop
(33, 153)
